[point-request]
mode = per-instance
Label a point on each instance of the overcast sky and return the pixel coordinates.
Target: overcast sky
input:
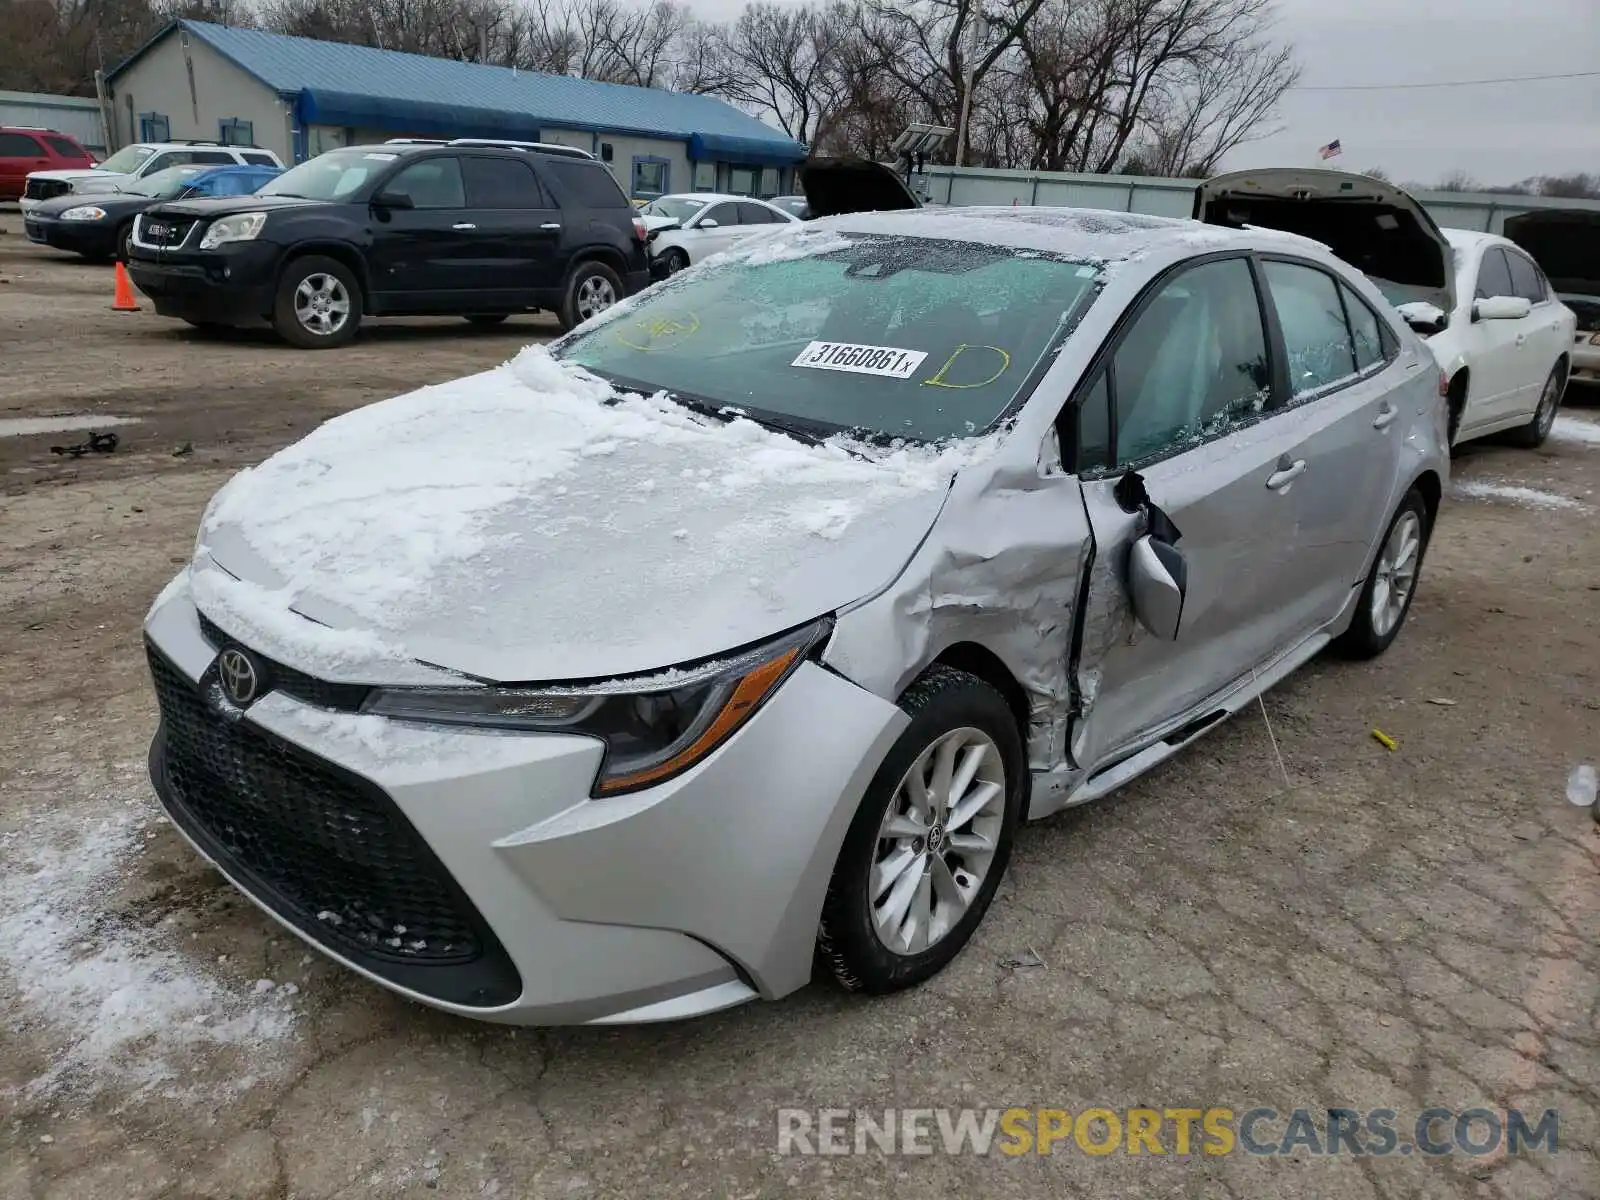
(1498, 134)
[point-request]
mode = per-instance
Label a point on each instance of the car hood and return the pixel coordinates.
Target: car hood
(76, 175)
(1375, 226)
(218, 206)
(530, 524)
(849, 185)
(1566, 244)
(114, 203)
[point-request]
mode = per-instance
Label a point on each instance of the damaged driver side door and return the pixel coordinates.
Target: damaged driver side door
(1177, 433)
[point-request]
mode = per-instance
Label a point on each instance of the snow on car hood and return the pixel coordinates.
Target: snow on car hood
(531, 524)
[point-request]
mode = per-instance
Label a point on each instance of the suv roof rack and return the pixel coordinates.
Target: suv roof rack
(542, 147)
(415, 142)
(199, 142)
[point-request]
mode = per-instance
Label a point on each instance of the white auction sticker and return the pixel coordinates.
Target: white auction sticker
(862, 360)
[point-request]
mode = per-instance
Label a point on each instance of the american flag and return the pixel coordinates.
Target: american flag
(1331, 149)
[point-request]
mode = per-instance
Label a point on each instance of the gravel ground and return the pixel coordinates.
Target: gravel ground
(1398, 929)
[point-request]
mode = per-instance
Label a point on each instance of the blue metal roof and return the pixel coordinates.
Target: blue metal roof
(340, 84)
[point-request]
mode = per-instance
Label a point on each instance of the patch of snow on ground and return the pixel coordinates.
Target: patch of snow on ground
(1575, 429)
(125, 1008)
(1478, 489)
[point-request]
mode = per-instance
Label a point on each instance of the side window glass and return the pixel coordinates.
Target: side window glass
(755, 214)
(432, 183)
(212, 156)
(1494, 277)
(723, 214)
(1194, 365)
(501, 183)
(1315, 334)
(173, 158)
(1366, 330)
(1525, 277)
(1093, 448)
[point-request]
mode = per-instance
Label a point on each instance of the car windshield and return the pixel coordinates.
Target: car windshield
(897, 337)
(331, 176)
(127, 159)
(163, 184)
(679, 208)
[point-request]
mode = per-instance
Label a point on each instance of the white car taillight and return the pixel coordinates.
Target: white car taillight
(639, 229)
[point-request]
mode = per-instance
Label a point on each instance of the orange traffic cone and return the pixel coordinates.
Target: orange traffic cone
(123, 301)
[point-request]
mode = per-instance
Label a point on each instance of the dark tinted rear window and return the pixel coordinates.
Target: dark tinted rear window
(19, 145)
(502, 183)
(65, 148)
(588, 184)
(261, 160)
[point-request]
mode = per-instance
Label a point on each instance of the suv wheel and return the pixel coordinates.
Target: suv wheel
(592, 288)
(318, 304)
(125, 243)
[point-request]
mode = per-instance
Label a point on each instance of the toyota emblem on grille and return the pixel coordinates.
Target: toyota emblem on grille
(238, 676)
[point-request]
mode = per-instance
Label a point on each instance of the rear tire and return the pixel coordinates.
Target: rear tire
(303, 321)
(1532, 435)
(1379, 614)
(949, 886)
(592, 288)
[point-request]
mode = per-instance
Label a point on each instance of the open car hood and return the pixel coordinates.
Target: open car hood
(1374, 226)
(1565, 242)
(851, 185)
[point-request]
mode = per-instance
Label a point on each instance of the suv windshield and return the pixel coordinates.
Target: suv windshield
(163, 184)
(678, 208)
(331, 176)
(902, 337)
(127, 159)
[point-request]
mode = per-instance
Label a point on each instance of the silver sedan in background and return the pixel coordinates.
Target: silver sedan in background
(752, 618)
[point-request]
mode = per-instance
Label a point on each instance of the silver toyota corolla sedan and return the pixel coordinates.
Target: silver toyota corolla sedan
(750, 620)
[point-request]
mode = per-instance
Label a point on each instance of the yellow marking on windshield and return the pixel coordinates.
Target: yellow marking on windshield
(937, 379)
(662, 333)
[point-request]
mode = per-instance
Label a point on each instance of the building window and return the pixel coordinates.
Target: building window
(769, 181)
(742, 181)
(154, 127)
(607, 153)
(236, 132)
(705, 177)
(651, 177)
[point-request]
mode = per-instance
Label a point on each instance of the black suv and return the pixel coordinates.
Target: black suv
(472, 228)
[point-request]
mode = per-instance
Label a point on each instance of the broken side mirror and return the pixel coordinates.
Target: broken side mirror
(1158, 575)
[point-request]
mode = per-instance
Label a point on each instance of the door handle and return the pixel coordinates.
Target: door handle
(463, 225)
(1286, 473)
(1385, 417)
(551, 225)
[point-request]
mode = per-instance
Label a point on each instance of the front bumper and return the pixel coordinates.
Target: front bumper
(682, 899)
(1586, 358)
(94, 238)
(232, 286)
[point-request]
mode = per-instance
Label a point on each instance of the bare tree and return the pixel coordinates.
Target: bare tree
(1458, 181)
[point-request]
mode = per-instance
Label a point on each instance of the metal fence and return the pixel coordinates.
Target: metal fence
(1175, 197)
(77, 116)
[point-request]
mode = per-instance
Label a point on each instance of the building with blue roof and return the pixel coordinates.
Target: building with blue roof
(300, 97)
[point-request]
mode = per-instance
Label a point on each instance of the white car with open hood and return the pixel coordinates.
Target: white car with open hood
(1565, 242)
(1502, 336)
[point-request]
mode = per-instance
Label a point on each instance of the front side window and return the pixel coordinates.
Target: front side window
(723, 214)
(65, 148)
(917, 338)
(1315, 334)
(1494, 276)
(1193, 366)
(432, 183)
(1525, 278)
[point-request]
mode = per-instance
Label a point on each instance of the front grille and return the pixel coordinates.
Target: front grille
(346, 697)
(46, 189)
(326, 850)
(163, 230)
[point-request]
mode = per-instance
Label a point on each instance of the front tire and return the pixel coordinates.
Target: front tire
(318, 305)
(1532, 435)
(673, 261)
(125, 244)
(930, 842)
(592, 288)
(1391, 584)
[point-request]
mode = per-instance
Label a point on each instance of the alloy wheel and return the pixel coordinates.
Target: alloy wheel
(595, 295)
(321, 304)
(1396, 573)
(1548, 405)
(937, 841)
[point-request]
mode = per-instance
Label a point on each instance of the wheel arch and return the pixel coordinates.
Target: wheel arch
(342, 253)
(979, 661)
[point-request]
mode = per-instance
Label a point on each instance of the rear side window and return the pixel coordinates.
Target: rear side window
(19, 145)
(1525, 278)
(1494, 277)
(589, 185)
(260, 160)
(1315, 334)
(502, 183)
(757, 214)
(65, 148)
(1366, 330)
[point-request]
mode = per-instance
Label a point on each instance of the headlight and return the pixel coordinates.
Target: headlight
(654, 728)
(240, 228)
(84, 212)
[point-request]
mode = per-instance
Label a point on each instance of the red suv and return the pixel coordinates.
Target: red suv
(26, 150)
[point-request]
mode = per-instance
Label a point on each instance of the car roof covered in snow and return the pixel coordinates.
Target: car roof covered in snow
(1086, 233)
